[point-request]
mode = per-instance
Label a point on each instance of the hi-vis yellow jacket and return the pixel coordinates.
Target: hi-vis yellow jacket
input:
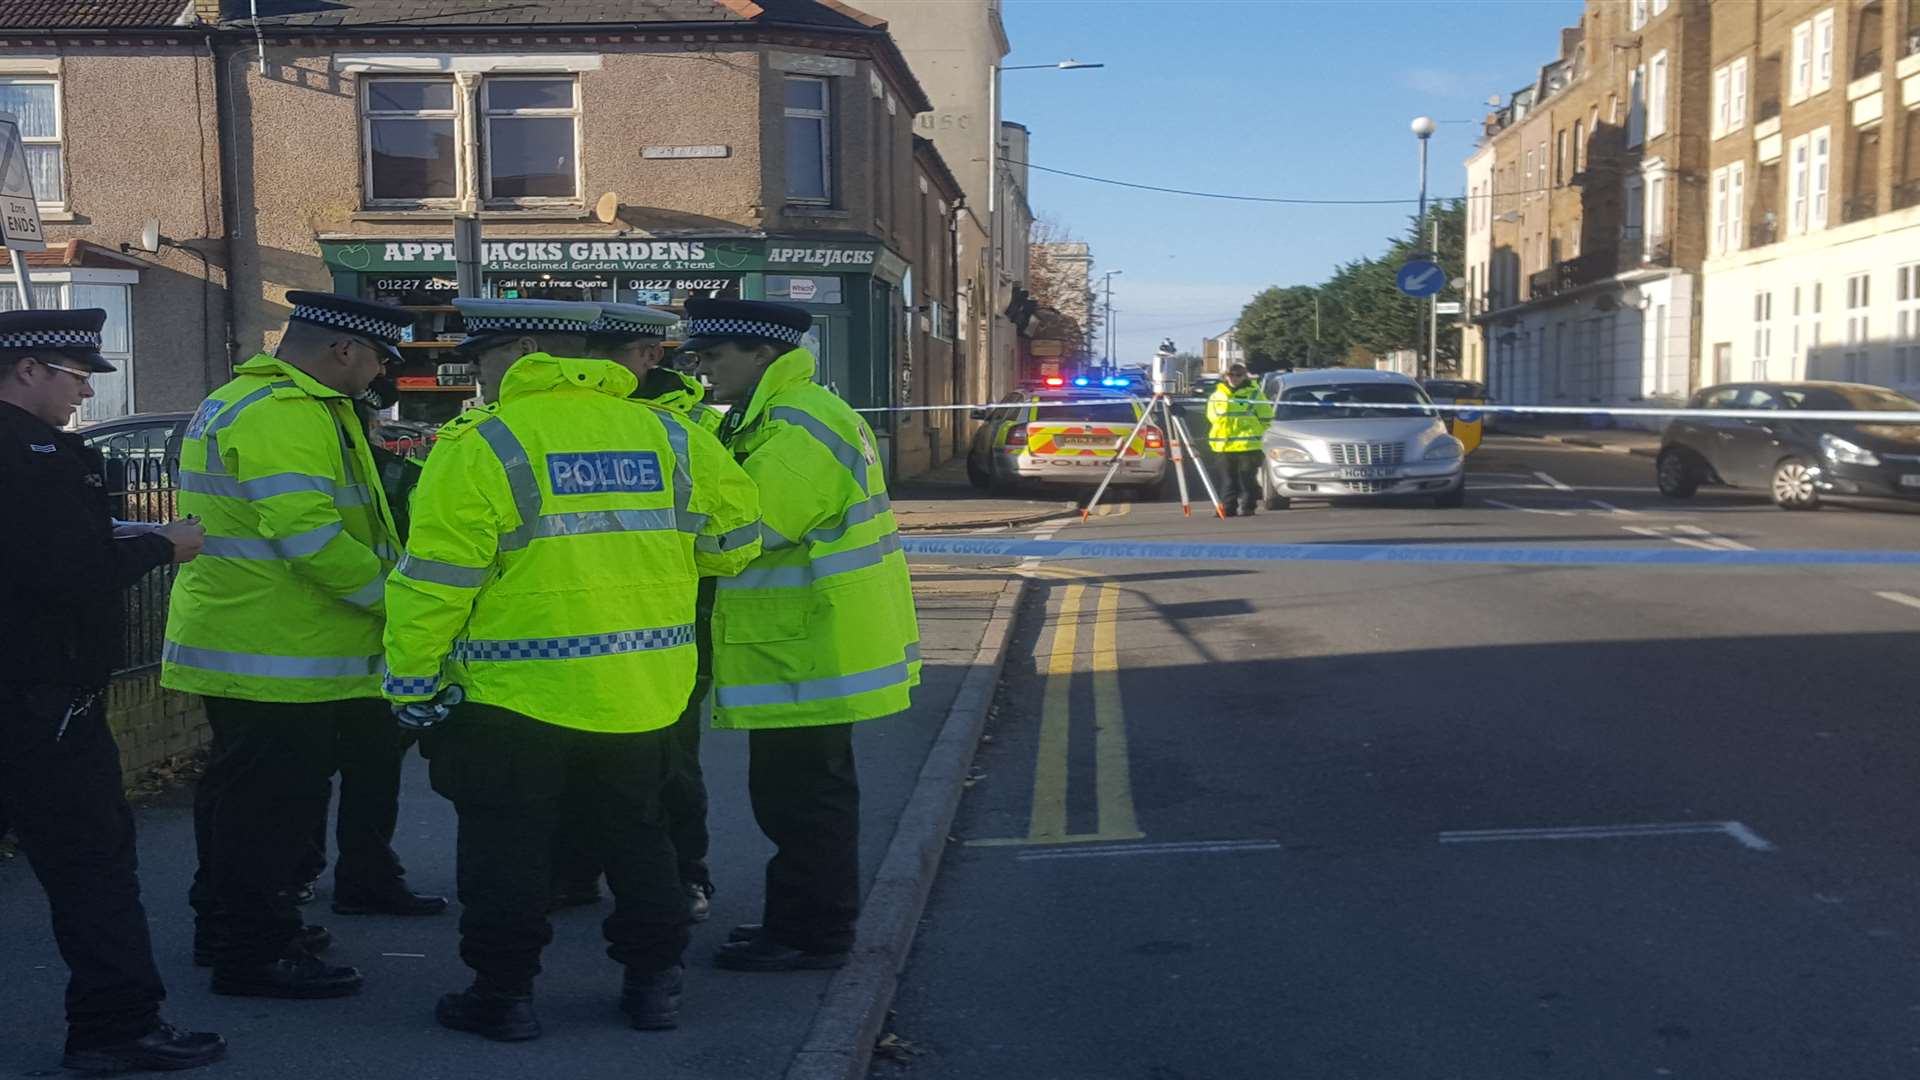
(821, 628)
(1237, 418)
(556, 544)
(284, 602)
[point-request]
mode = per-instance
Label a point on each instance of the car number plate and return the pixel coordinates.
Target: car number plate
(1377, 472)
(1910, 480)
(1089, 442)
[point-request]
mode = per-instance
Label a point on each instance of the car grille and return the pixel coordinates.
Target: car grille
(1368, 453)
(1369, 487)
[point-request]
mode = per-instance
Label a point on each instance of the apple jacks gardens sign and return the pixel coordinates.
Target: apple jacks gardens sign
(604, 256)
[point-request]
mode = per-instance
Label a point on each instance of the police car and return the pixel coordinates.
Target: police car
(1064, 434)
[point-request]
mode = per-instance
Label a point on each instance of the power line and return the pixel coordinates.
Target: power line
(1280, 199)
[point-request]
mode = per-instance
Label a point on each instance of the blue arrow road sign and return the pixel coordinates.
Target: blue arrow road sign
(1421, 277)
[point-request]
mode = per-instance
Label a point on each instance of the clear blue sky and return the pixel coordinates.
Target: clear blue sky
(1264, 97)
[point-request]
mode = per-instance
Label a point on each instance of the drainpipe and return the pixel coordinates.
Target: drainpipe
(956, 374)
(223, 141)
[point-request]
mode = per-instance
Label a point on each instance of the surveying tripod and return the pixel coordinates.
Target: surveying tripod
(1177, 441)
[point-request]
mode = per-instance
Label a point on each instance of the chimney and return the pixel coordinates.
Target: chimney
(207, 11)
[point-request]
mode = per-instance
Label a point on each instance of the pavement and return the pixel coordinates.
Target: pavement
(944, 500)
(734, 1026)
(1348, 821)
(1614, 440)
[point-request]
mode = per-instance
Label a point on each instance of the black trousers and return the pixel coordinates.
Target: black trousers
(506, 775)
(64, 797)
(683, 801)
(265, 792)
(1239, 479)
(806, 799)
(370, 751)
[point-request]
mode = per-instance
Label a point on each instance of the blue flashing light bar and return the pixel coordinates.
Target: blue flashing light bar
(1080, 381)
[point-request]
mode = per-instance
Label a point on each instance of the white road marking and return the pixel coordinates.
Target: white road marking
(1723, 542)
(1552, 483)
(1733, 830)
(406, 955)
(1527, 509)
(1900, 598)
(1657, 534)
(1189, 847)
(1612, 509)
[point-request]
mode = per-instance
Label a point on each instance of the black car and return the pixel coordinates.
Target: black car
(1796, 461)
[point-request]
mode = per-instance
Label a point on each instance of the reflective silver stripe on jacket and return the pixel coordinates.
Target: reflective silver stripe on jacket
(573, 648)
(368, 596)
(799, 577)
(740, 697)
(266, 487)
(729, 540)
(441, 573)
(290, 547)
(583, 522)
(277, 667)
(846, 453)
(771, 539)
(690, 522)
(513, 458)
(858, 514)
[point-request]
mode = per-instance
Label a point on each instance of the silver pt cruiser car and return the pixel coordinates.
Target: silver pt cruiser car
(1334, 436)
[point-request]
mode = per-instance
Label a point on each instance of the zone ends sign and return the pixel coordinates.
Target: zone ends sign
(19, 211)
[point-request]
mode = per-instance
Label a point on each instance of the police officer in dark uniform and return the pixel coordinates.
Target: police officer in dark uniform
(63, 569)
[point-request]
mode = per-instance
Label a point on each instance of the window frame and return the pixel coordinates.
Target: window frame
(367, 117)
(1859, 340)
(1723, 101)
(1820, 179)
(825, 116)
(1658, 71)
(1799, 183)
(59, 138)
(1737, 206)
(1800, 84)
(1906, 316)
(1823, 49)
(1637, 106)
(484, 117)
(1737, 79)
(1721, 179)
(1642, 11)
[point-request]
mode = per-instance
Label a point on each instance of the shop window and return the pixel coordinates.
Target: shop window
(532, 139)
(412, 153)
(35, 102)
(809, 121)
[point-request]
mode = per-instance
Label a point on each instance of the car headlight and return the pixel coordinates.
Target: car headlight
(1445, 448)
(1289, 455)
(1847, 453)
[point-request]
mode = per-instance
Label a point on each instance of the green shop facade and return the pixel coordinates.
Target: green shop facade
(855, 291)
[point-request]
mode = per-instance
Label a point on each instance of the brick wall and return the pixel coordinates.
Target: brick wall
(151, 723)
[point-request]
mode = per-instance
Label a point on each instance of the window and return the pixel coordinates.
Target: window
(1797, 180)
(1736, 206)
(1823, 51)
(1657, 96)
(412, 150)
(112, 391)
(1636, 213)
(1737, 83)
(1722, 102)
(1543, 166)
(1659, 7)
(1639, 13)
(1659, 348)
(1579, 149)
(532, 139)
(1636, 106)
(1560, 159)
(1802, 84)
(1719, 211)
(1820, 172)
(1530, 180)
(1762, 333)
(1906, 323)
(809, 140)
(36, 103)
(1859, 348)
(1656, 211)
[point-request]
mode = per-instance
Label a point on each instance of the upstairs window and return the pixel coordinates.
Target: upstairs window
(809, 120)
(413, 154)
(532, 139)
(35, 102)
(528, 130)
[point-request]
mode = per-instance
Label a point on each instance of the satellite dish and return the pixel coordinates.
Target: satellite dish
(150, 235)
(1493, 101)
(608, 208)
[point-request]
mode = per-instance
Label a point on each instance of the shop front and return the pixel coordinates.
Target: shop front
(851, 288)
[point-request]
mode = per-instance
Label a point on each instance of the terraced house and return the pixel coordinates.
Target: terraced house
(639, 151)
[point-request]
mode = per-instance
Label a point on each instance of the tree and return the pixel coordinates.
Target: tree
(1059, 270)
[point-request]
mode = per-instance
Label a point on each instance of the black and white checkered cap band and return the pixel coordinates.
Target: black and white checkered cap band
(612, 324)
(497, 324)
(744, 328)
(381, 329)
(51, 339)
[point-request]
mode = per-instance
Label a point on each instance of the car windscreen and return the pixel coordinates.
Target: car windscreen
(1349, 401)
(1849, 399)
(1098, 412)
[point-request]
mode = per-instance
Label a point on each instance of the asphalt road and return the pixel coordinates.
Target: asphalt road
(1391, 821)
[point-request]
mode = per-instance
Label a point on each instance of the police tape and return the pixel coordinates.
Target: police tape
(1476, 555)
(1470, 413)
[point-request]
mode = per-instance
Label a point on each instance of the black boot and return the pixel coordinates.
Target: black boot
(314, 939)
(499, 1016)
(762, 953)
(394, 898)
(164, 1049)
(298, 975)
(652, 1000)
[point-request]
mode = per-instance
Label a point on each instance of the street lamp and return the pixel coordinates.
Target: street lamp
(1423, 128)
(1106, 286)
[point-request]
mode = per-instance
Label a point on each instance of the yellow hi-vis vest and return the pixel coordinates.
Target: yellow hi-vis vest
(821, 628)
(1237, 418)
(556, 544)
(284, 602)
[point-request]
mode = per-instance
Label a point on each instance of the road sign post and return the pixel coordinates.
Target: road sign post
(19, 210)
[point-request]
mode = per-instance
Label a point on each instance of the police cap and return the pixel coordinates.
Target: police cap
(710, 322)
(383, 325)
(74, 334)
(487, 320)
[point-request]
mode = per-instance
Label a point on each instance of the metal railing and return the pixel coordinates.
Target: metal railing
(143, 485)
(1866, 63)
(1762, 233)
(1769, 109)
(1906, 195)
(1912, 45)
(1859, 207)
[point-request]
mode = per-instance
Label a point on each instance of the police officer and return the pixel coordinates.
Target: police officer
(817, 634)
(550, 575)
(1237, 415)
(576, 873)
(62, 573)
(278, 627)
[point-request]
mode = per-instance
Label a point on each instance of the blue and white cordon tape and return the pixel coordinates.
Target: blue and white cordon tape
(984, 547)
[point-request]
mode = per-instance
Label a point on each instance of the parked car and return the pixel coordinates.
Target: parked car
(142, 457)
(1331, 439)
(1453, 390)
(1795, 461)
(1065, 445)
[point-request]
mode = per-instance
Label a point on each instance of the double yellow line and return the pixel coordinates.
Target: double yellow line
(1113, 777)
